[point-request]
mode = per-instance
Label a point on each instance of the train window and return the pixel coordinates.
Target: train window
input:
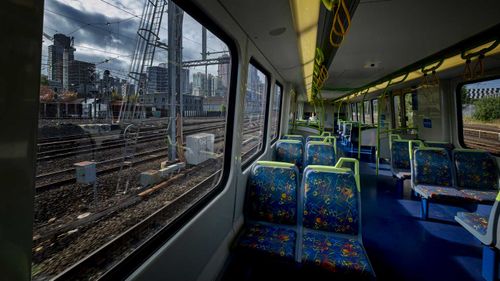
(359, 114)
(254, 114)
(479, 115)
(375, 111)
(354, 112)
(409, 109)
(397, 111)
(276, 110)
(130, 139)
(367, 114)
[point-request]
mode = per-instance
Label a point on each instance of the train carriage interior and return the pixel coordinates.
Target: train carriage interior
(250, 140)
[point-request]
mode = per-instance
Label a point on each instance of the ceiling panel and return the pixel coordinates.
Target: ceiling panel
(261, 18)
(386, 35)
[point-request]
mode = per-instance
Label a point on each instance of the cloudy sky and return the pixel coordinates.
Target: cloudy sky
(107, 30)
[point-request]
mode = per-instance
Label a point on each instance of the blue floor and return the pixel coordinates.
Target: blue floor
(401, 246)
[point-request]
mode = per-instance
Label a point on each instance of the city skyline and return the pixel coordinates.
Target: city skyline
(108, 39)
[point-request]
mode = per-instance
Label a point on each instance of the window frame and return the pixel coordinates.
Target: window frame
(278, 84)
(248, 162)
(458, 107)
(132, 261)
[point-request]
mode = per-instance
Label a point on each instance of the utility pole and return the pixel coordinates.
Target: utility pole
(175, 16)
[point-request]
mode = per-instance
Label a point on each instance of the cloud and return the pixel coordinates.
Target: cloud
(105, 33)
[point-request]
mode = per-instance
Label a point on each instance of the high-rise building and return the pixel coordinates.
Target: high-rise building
(223, 71)
(80, 77)
(199, 84)
(157, 80)
(185, 81)
(62, 44)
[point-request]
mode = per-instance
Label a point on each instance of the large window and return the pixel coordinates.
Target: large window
(129, 139)
(375, 111)
(479, 109)
(254, 114)
(276, 110)
(397, 112)
(367, 114)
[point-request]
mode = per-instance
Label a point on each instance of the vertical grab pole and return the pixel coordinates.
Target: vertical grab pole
(359, 125)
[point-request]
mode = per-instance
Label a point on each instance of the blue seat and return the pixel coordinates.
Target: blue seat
(315, 138)
(486, 230)
(289, 151)
(432, 177)
(477, 174)
(293, 137)
(331, 222)
(319, 153)
(400, 159)
(271, 210)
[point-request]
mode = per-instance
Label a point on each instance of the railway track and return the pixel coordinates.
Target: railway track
(153, 227)
(146, 136)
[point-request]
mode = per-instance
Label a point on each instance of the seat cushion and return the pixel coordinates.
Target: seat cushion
(432, 167)
(334, 254)
(289, 152)
(474, 220)
(400, 155)
(272, 240)
(476, 170)
(330, 202)
(439, 192)
(482, 196)
(272, 195)
(319, 154)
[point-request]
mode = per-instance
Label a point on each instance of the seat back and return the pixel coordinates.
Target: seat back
(400, 156)
(315, 138)
(289, 151)
(475, 169)
(319, 153)
(293, 137)
(431, 166)
(330, 200)
(272, 193)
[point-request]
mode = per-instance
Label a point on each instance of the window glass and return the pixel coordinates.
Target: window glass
(254, 125)
(375, 111)
(276, 109)
(397, 111)
(480, 107)
(118, 138)
(353, 111)
(358, 112)
(409, 109)
(367, 112)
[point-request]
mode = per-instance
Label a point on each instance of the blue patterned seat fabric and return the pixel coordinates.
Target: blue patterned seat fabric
(290, 152)
(335, 254)
(273, 194)
(293, 137)
(330, 202)
(481, 196)
(432, 167)
(476, 221)
(400, 155)
(438, 192)
(315, 138)
(272, 240)
(476, 170)
(319, 154)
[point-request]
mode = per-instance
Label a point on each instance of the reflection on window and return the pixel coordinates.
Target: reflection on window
(276, 109)
(123, 132)
(354, 113)
(375, 111)
(480, 105)
(367, 115)
(254, 114)
(397, 111)
(409, 109)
